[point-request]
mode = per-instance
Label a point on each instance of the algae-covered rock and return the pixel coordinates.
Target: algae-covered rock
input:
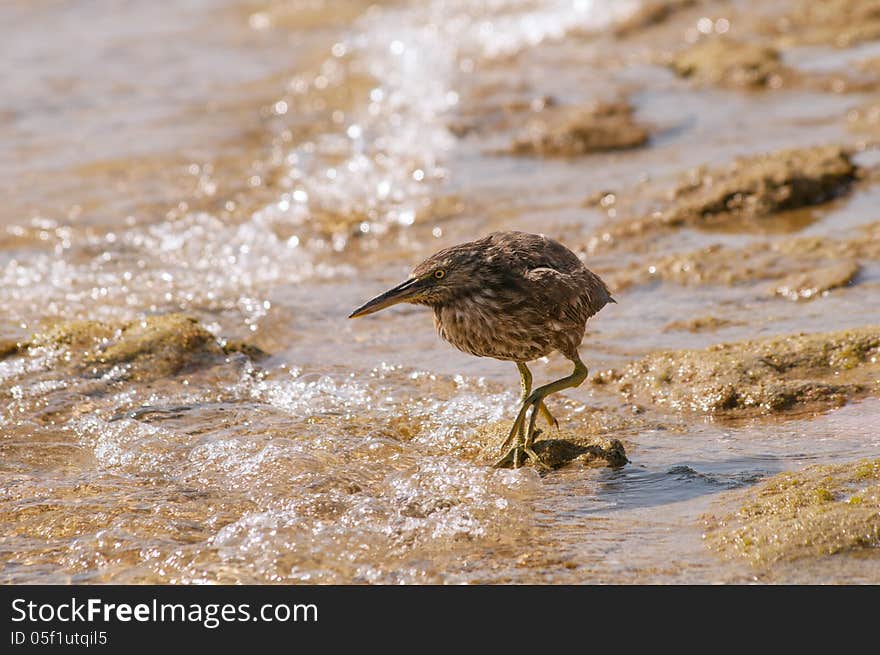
(841, 23)
(8, 347)
(751, 188)
(146, 349)
(249, 350)
(157, 346)
(649, 14)
(796, 269)
(567, 131)
(700, 324)
(800, 269)
(72, 334)
(763, 184)
(819, 511)
(557, 447)
(865, 118)
(758, 376)
(812, 283)
(726, 62)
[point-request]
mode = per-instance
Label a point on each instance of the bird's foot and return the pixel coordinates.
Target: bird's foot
(517, 455)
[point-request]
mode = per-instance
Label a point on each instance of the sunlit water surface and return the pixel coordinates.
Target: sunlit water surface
(345, 457)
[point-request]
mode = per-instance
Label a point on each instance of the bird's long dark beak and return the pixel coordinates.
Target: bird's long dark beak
(400, 293)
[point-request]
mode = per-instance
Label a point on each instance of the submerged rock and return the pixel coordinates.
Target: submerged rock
(154, 347)
(819, 511)
(798, 269)
(865, 118)
(567, 131)
(816, 281)
(700, 324)
(726, 62)
(758, 376)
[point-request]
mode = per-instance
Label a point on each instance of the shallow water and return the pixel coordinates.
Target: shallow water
(269, 166)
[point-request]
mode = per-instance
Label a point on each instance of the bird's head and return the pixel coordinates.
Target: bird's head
(438, 280)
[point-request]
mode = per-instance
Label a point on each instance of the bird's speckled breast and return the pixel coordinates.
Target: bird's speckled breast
(479, 326)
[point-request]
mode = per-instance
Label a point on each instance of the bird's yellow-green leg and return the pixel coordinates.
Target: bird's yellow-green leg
(534, 400)
(525, 376)
(525, 381)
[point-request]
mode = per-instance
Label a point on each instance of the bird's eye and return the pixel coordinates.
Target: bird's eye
(439, 273)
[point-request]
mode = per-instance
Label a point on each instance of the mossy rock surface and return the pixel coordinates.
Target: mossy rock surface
(799, 269)
(750, 190)
(555, 447)
(764, 184)
(727, 62)
(149, 348)
(573, 131)
(840, 23)
(816, 512)
(8, 347)
(757, 376)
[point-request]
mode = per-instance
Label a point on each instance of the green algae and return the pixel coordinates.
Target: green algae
(758, 376)
(819, 511)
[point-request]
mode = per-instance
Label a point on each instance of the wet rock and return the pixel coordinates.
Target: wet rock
(841, 23)
(762, 185)
(72, 334)
(157, 346)
(249, 350)
(726, 62)
(759, 376)
(569, 132)
(557, 448)
(816, 512)
(557, 452)
(865, 118)
(8, 347)
(812, 283)
(151, 348)
(649, 14)
(700, 324)
(799, 269)
(749, 189)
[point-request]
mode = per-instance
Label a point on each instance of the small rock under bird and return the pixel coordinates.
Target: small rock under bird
(512, 296)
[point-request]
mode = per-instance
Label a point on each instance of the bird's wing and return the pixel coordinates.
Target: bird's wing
(563, 294)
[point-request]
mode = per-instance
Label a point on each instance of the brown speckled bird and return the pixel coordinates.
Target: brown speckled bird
(513, 296)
